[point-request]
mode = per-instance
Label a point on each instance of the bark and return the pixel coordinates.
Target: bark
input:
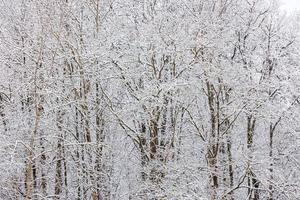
(213, 146)
(59, 165)
(253, 183)
(43, 161)
(100, 190)
(58, 173)
(230, 164)
(272, 129)
(30, 175)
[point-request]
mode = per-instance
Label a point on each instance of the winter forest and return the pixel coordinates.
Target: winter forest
(149, 100)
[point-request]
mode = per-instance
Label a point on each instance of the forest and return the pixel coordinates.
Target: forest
(149, 100)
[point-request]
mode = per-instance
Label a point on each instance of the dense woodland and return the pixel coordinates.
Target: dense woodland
(149, 100)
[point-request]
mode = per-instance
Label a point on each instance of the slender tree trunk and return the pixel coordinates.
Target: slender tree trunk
(59, 156)
(213, 146)
(43, 161)
(230, 164)
(271, 134)
(252, 181)
(59, 171)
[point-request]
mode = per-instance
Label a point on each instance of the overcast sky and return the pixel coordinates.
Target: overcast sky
(290, 5)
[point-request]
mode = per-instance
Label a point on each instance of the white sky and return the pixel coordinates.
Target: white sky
(290, 5)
